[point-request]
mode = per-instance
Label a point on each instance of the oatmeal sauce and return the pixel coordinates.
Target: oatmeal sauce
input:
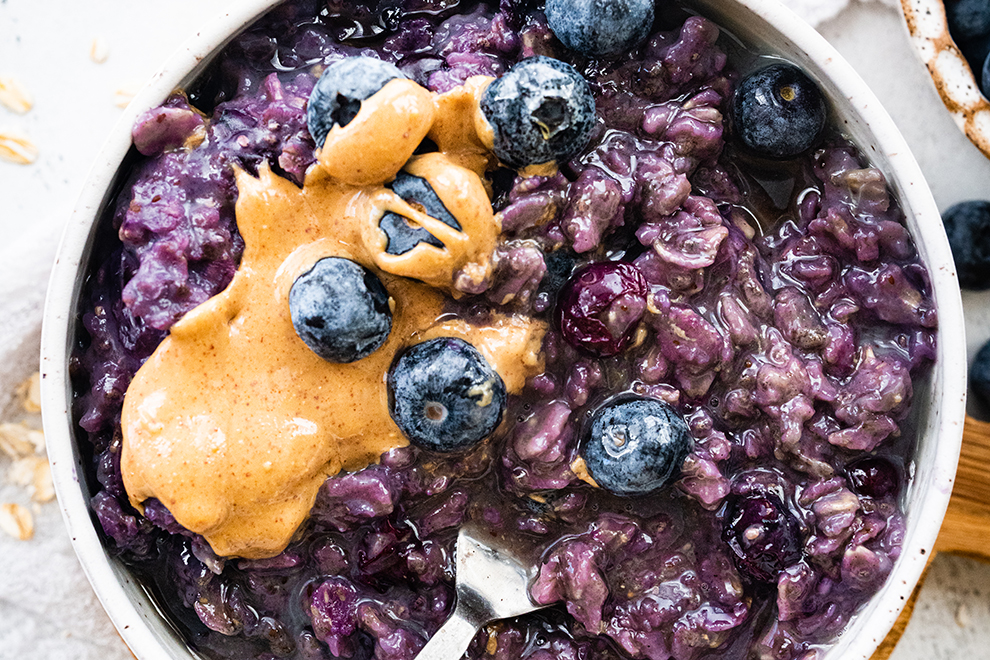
(234, 423)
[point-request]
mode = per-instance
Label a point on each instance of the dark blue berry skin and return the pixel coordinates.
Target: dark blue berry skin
(636, 446)
(444, 396)
(985, 76)
(763, 536)
(541, 110)
(968, 19)
(403, 236)
(873, 476)
(967, 225)
(600, 28)
(337, 96)
(979, 375)
(340, 310)
(778, 112)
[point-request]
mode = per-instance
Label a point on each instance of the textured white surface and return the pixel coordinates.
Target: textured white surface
(47, 609)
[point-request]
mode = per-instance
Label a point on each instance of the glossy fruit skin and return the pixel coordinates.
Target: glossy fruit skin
(336, 98)
(340, 310)
(979, 375)
(762, 535)
(873, 476)
(636, 446)
(778, 111)
(444, 396)
(968, 19)
(967, 225)
(599, 308)
(600, 28)
(403, 236)
(541, 110)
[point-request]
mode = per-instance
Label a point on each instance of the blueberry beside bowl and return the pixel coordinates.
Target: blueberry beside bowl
(939, 426)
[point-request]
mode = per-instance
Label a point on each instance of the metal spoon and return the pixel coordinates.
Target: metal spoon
(492, 583)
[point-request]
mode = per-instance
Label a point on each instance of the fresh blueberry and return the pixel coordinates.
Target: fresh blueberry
(599, 308)
(873, 476)
(762, 535)
(600, 28)
(967, 224)
(778, 111)
(968, 19)
(541, 110)
(337, 96)
(444, 395)
(979, 375)
(636, 446)
(985, 76)
(340, 310)
(404, 236)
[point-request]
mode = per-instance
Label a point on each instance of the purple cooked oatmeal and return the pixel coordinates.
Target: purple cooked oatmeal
(784, 321)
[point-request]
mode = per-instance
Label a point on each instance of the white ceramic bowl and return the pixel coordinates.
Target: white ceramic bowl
(939, 401)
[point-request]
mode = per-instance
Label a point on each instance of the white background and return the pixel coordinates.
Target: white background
(47, 609)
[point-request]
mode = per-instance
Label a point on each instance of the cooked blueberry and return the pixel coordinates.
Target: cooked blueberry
(337, 96)
(541, 110)
(985, 76)
(636, 446)
(967, 224)
(599, 308)
(598, 28)
(979, 375)
(968, 19)
(404, 236)
(444, 396)
(778, 111)
(873, 476)
(762, 535)
(340, 310)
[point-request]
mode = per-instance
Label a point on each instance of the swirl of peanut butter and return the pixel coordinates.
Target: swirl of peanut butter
(234, 423)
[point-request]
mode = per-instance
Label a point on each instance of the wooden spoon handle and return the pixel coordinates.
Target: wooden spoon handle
(966, 528)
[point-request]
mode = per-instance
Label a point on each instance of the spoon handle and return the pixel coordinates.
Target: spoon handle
(453, 637)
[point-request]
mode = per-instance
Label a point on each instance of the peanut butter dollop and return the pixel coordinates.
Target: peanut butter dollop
(234, 423)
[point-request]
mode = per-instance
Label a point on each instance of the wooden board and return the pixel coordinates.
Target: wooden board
(966, 528)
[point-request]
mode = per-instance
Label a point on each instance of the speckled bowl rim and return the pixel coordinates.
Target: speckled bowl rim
(954, 79)
(148, 633)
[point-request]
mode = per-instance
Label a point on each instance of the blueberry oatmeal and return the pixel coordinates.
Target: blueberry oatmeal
(573, 294)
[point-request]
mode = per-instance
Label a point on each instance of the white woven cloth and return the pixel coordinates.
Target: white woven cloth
(47, 609)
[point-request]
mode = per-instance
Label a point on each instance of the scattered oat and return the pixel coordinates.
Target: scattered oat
(44, 487)
(14, 95)
(29, 392)
(125, 94)
(34, 474)
(16, 521)
(99, 50)
(962, 615)
(17, 441)
(15, 147)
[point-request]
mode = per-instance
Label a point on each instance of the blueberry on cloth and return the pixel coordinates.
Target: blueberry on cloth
(636, 446)
(967, 225)
(340, 310)
(541, 110)
(444, 396)
(404, 236)
(873, 476)
(968, 19)
(778, 111)
(337, 96)
(985, 76)
(979, 375)
(762, 535)
(600, 28)
(599, 308)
